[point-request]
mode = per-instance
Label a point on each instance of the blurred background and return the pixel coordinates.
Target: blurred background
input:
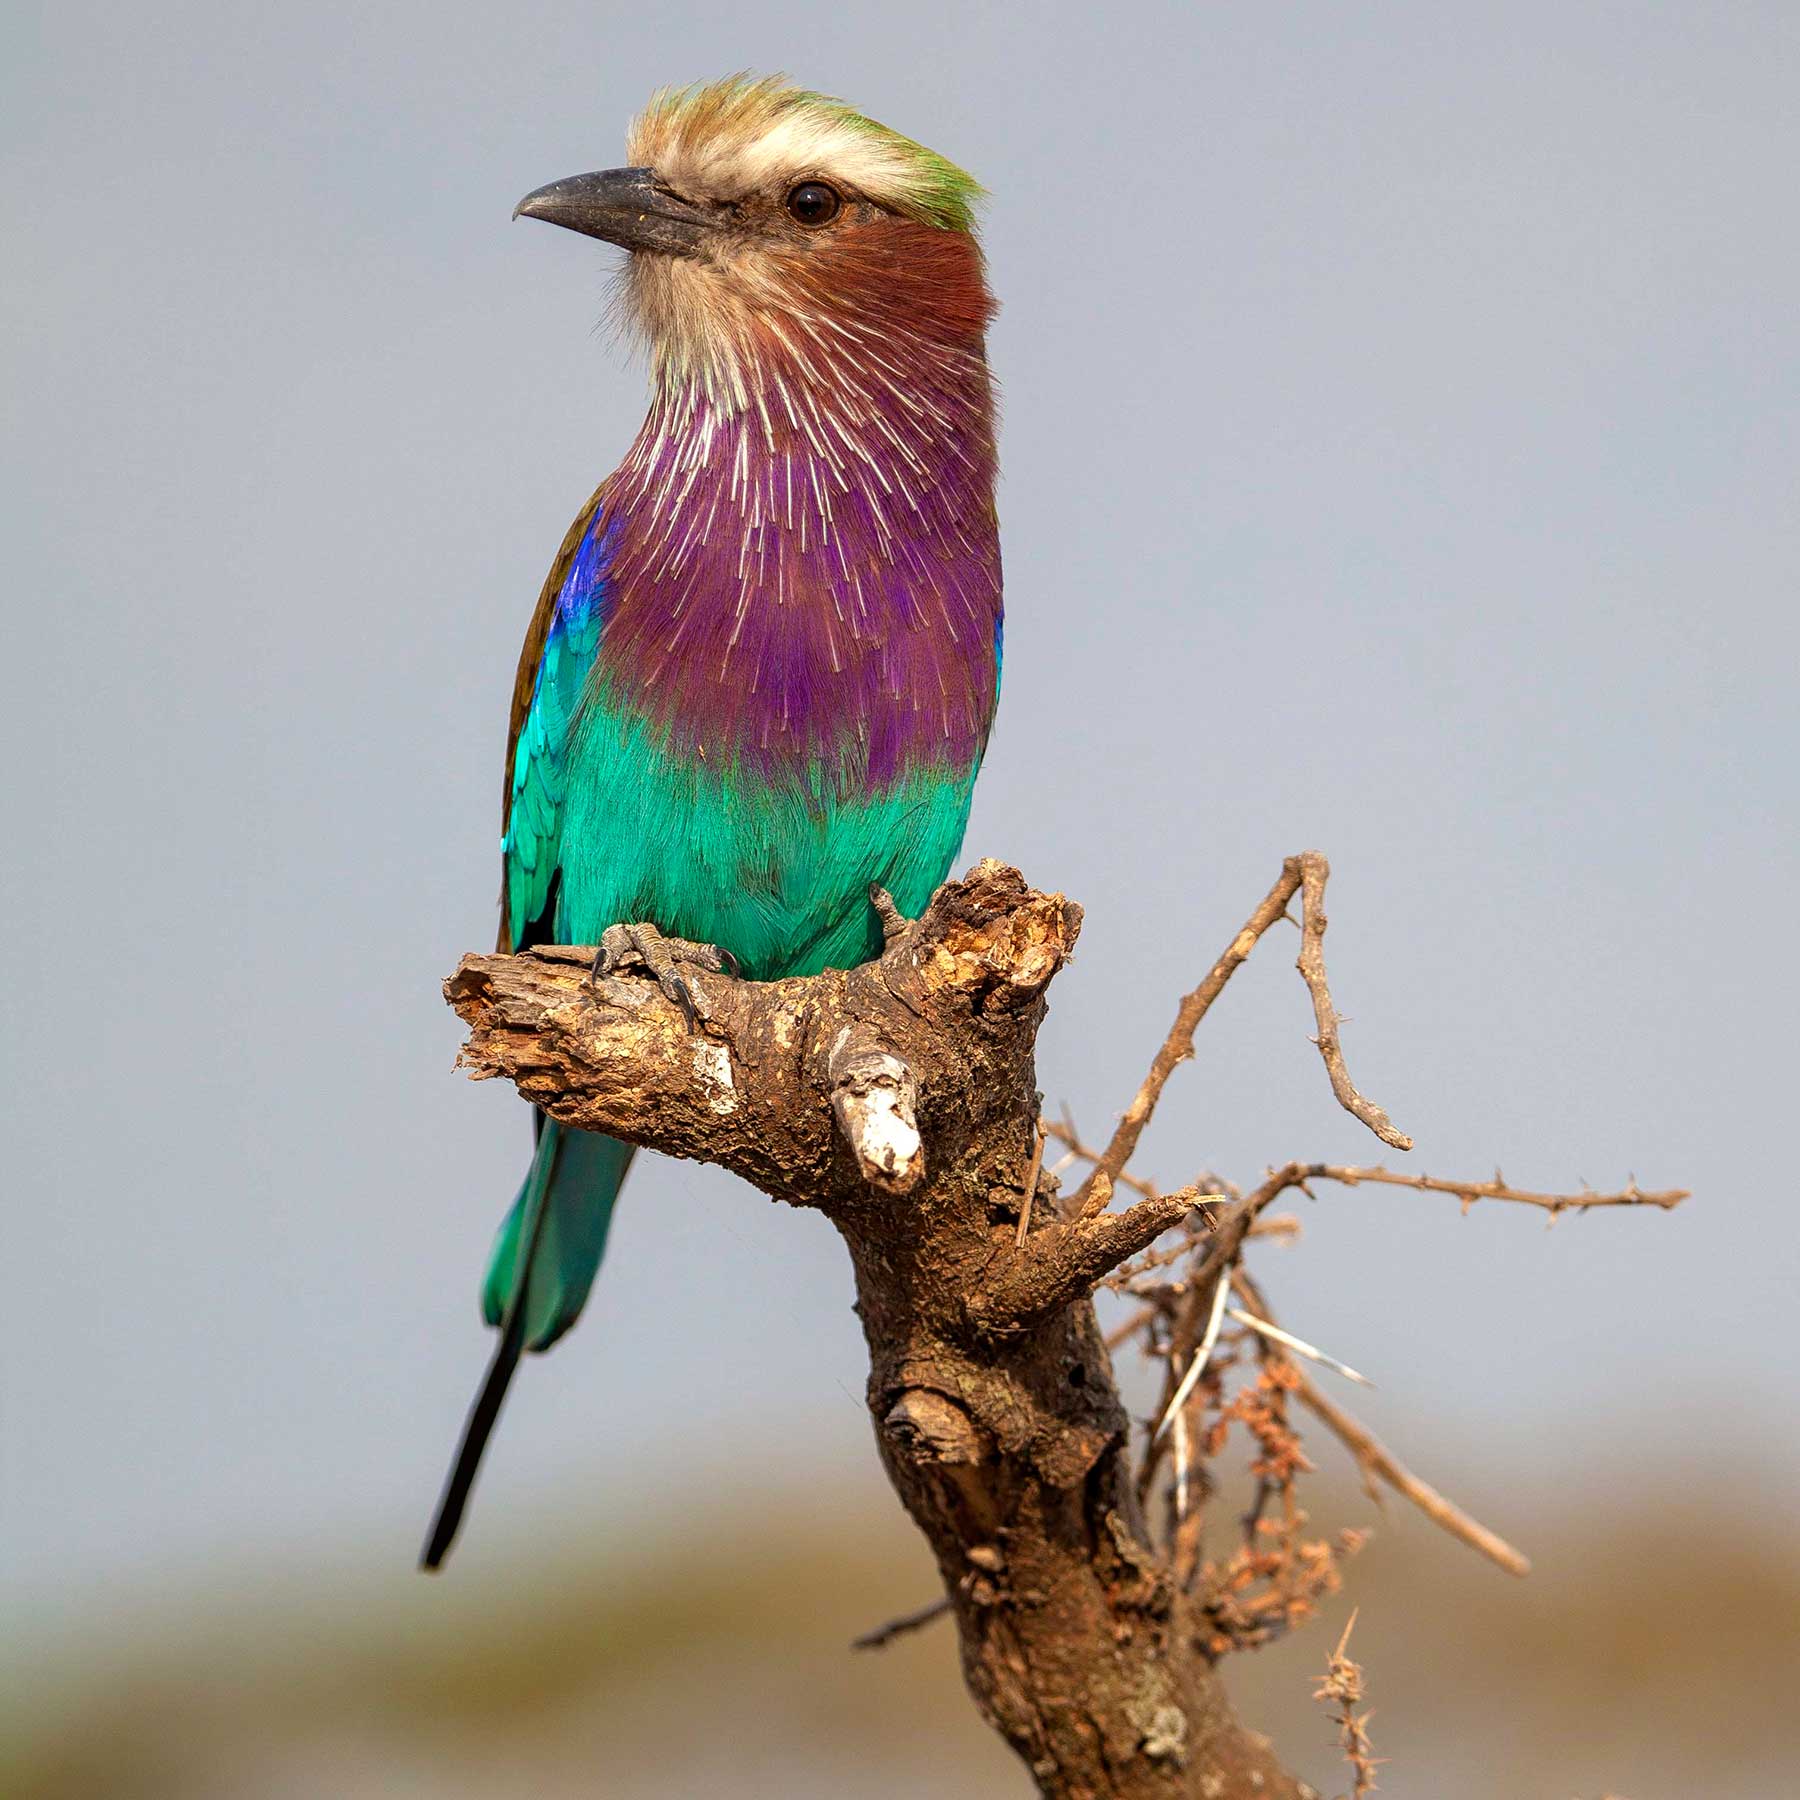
(1400, 459)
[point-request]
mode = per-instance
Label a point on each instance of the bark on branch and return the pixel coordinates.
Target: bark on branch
(900, 1099)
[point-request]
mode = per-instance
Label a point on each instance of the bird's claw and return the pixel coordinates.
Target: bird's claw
(894, 923)
(643, 946)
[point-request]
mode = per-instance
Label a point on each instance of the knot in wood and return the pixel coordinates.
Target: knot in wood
(931, 1427)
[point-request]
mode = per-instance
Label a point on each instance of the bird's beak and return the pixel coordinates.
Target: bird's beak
(623, 206)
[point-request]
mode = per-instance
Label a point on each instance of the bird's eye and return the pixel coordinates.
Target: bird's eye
(813, 203)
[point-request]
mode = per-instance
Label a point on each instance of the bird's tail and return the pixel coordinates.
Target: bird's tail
(543, 1262)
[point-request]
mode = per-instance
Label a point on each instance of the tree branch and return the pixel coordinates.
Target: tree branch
(1178, 1046)
(901, 1100)
(1064, 1263)
(1373, 1460)
(1468, 1192)
(1305, 874)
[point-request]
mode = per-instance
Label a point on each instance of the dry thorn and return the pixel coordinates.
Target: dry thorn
(1300, 1345)
(1181, 1460)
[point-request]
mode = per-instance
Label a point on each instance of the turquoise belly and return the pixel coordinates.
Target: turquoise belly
(773, 866)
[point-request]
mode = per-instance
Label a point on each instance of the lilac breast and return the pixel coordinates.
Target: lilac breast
(814, 578)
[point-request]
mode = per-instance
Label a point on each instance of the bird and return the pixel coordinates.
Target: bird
(761, 675)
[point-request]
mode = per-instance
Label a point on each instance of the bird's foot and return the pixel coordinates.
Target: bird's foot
(643, 946)
(894, 923)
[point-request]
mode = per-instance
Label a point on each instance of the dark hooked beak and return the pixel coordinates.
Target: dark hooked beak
(623, 206)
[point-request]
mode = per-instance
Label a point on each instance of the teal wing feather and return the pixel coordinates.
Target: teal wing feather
(566, 640)
(550, 1244)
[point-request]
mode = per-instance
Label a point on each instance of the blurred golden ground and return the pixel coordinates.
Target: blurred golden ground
(1653, 1654)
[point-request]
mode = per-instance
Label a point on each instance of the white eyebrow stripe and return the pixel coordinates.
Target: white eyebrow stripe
(795, 144)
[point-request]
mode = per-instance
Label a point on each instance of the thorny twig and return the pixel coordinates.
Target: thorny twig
(1468, 1192)
(1314, 871)
(1274, 1577)
(1126, 1279)
(1192, 1299)
(1343, 1687)
(1123, 1334)
(1373, 1459)
(1305, 874)
(1184, 1286)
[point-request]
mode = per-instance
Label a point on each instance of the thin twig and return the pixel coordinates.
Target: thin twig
(1178, 1046)
(1031, 1181)
(1228, 1238)
(1284, 1226)
(1314, 872)
(1122, 1334)
(1375, 1459)
(1470, 1191)
(1063, 1130)
(1221, 1257)
(1128, 1278)
(884, 1635)
(1122, 1278)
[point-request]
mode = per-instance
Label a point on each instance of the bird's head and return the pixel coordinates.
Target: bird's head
(772, 229)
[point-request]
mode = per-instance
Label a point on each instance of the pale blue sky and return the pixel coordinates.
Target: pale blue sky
(1400, 449)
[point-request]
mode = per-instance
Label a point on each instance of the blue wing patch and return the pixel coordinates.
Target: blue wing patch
(532, 846)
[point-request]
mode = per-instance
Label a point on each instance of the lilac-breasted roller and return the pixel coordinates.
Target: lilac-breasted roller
(761, 674)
